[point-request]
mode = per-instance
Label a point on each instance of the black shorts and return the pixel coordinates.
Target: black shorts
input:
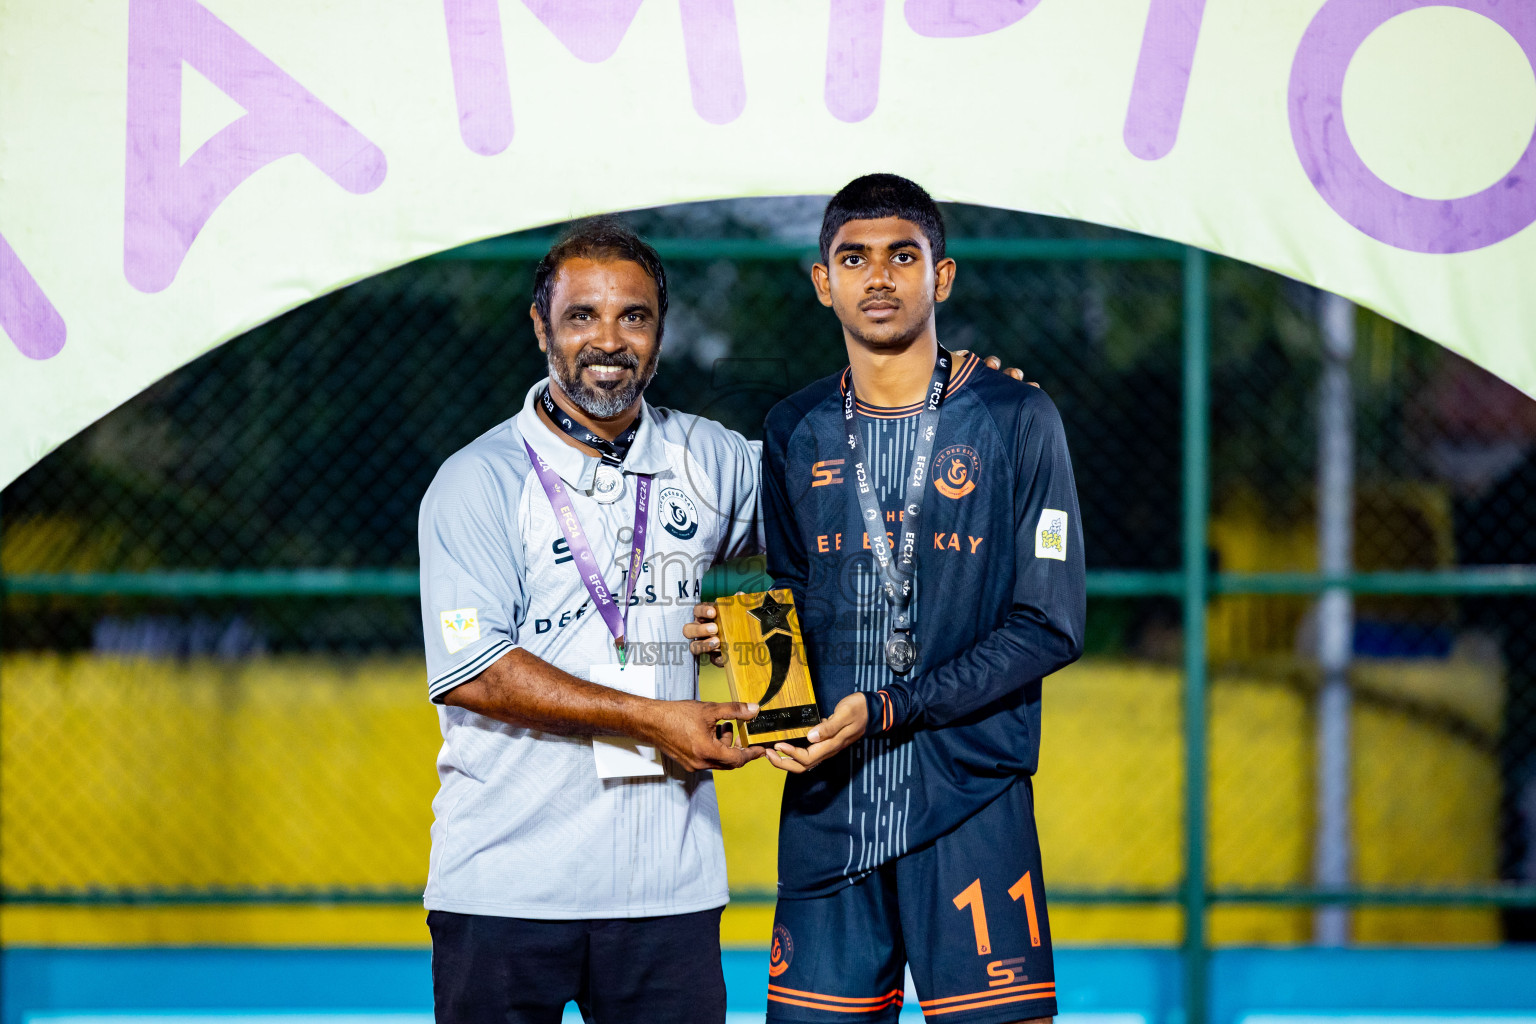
(967, 913)
(511, 970)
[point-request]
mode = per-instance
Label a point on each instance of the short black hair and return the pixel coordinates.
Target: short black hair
(874, 196)
(599, 238)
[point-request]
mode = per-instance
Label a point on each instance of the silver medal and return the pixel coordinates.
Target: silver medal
(608, 486)
(900, 652)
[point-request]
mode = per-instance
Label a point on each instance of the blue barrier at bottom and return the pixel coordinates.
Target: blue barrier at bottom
(1096, 986)
(1351, 982)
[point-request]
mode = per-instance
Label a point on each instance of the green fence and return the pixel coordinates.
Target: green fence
(59, 592)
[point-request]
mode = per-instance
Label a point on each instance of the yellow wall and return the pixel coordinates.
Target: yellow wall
(1402, 524)
(300, 771)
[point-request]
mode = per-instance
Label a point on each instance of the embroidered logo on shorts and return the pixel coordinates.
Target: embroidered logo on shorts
(782, 953)
(461, 627)
(1051, 535)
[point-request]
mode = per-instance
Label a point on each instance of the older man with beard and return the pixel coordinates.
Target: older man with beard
(576, 852)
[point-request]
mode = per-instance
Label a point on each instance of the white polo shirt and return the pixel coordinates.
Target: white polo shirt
(524, 826)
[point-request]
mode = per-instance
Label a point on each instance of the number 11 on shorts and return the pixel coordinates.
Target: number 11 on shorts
(1024, 887)
(971, 897)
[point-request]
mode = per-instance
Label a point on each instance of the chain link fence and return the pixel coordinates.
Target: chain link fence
(212, 681)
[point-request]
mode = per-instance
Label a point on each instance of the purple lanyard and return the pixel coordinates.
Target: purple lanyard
(581, 550)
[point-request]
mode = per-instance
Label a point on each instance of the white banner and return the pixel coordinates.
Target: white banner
(174, 172)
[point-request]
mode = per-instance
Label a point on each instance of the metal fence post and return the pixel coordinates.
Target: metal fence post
(1196, 512)
(1335, 612)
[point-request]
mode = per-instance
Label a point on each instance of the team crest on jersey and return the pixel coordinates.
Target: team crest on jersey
(1051, 535)
(782, 951)
(461, 627)
(678, 516)
(955, 471)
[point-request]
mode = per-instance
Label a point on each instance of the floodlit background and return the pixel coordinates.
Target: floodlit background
(215, 727)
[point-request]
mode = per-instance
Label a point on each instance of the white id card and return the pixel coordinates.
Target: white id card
(619, 757)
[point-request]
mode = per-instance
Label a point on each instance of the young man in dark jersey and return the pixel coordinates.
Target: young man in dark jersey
(908, 832)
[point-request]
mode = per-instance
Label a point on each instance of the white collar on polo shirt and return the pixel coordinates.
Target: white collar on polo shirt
(647, 455)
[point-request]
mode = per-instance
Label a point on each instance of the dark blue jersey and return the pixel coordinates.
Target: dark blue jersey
(999, 603)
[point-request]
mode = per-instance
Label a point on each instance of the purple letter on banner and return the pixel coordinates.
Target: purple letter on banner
(479, 74)
(1162, 77)
(168, 202)
(854, 38)
(1349, 186)
(951, 18)
(713, 46)
(25, 312)
(853, 58)
(592, 31)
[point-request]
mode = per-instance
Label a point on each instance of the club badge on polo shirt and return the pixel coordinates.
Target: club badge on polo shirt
(461, 627)
(1051, 535)
(678, 515)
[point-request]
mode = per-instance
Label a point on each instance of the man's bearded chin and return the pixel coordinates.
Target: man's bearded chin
(601, 402)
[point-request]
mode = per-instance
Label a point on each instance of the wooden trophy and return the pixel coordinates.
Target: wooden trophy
(765, 664)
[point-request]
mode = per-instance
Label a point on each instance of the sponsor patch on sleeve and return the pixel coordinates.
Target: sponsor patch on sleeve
(1051, 535)
(461, 627)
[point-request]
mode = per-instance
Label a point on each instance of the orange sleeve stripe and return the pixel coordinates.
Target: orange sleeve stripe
(893, 993)
(833, 1007)
(885, 711)
(1048, 993)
